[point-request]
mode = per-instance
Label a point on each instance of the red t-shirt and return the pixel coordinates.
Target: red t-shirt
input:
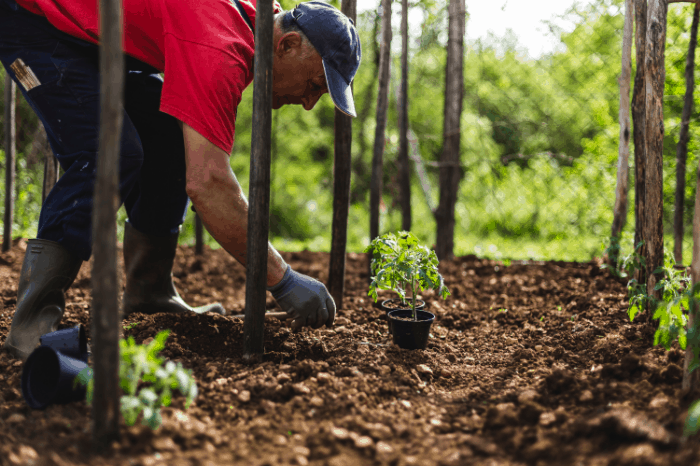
(204, 47)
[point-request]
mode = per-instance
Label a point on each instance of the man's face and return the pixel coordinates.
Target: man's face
(297, 73)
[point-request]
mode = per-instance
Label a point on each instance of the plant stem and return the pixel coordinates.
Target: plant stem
(413, 296)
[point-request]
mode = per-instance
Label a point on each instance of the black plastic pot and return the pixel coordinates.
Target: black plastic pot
(48, 376)
(69, 341)
(410, 334)
(420, 304)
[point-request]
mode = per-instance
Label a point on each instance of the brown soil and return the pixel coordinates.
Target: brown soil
(395, 303)
(559, 377)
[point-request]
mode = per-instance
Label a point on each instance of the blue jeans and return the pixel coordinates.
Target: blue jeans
(67, 101)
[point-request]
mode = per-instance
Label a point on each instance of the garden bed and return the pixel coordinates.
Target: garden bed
(533, 363)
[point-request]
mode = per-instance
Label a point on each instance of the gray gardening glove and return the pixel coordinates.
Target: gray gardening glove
(305, 300)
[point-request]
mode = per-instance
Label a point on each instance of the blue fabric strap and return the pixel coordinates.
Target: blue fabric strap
(244, 14)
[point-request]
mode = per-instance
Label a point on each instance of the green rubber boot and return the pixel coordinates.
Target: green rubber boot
(148, 263)
(48, 271)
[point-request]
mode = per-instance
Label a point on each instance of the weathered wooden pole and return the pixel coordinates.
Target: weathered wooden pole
(375, 195)
(450, 171)
(341, 190)
(682, 147)
(404, 169)
(105, 281)
(10, 135)
(655, 77)
(259, 195)
(198, 235)
(691, 382)
(638, 130)
(620, 210)
(50, 172)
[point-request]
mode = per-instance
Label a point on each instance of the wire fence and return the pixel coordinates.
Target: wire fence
(539, 136)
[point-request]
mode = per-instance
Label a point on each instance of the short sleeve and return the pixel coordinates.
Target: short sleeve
(203, 87)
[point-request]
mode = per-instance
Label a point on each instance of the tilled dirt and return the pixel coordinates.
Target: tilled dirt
(531, 363)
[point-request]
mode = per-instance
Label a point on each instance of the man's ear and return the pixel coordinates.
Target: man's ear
(289, 42)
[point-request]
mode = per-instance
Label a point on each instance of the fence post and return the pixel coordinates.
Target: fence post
(655, 77)
(375, 195)
(10, 135)
(450, 171)
(682, 147)
(259, 210)
(404, 169)
(341, 190)
(620, 209)
(105, 281)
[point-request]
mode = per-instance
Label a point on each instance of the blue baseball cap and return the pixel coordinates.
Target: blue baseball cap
(335, 38)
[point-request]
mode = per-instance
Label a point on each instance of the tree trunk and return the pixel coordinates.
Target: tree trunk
(375, 195)
(682, 148)
(691, 382)
(655, 77)
(105, 280)
(342, 169)
(259, 198)
(638, 128)
(10, 135)
(450, 171)
(404, 169)
(620, 211)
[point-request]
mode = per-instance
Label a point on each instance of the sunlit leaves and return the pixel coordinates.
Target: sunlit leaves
(141, 365)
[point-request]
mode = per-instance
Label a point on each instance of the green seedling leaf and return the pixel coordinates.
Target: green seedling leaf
(692, 421)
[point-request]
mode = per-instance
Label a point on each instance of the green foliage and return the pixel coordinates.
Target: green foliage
(399, 261)
(140, 366)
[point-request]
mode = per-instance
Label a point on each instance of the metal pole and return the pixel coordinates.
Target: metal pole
(259, 196)
(105, 281)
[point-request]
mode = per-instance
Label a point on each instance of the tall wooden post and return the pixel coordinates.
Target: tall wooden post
(404, 169)
(105, 281)
(638, 130)
(198, 235)
(691, 382)
(655, 77)
(341, 190)
(259, 196)
(10, 135)
(682, 147)
(375, 194)
(450, 171)
(620, 210)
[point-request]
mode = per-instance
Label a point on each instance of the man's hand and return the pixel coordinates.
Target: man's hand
(304, 299)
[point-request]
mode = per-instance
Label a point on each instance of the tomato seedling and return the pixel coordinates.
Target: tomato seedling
(399, 262)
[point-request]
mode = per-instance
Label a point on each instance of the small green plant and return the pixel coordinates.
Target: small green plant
(139, 365)
(130, 326)
(629, 263)
(399, 262)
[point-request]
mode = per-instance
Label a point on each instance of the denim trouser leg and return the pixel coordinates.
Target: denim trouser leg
(67, 102)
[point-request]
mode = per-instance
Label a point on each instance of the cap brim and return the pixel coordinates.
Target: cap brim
(340, 91)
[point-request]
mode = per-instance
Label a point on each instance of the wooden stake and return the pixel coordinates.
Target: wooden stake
(639, 128)
(10, 136)
(691, 382)
(375, 195)
(655, 77)
(198, 235)
(259, 209)
(450, 173)
(620, 210)
(50, 173)
(341, 190)
(105, 281)
(404, 169)
(682, 147)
